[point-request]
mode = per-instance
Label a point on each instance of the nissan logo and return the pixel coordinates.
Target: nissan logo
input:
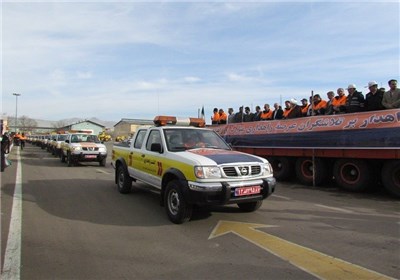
(244, 171)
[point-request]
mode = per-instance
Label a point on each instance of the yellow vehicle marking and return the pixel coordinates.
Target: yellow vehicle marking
(311, 261)
(158, 165)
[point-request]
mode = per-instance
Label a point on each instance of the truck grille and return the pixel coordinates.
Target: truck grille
(242, 170)
(90, 149)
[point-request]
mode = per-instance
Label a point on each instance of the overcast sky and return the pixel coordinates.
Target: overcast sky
(114, 60)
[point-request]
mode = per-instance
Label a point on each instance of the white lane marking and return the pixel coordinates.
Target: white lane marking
(12, 256)
(334, 208)
(102, 171)
(280, 196)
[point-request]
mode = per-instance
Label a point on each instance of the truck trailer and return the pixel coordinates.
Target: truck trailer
(357, 151)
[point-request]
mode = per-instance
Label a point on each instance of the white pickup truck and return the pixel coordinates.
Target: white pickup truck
(83, 147)
(191, 166)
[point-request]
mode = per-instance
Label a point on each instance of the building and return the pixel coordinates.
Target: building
(125, 127)
(84, 125)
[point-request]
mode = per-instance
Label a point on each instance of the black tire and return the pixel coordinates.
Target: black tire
(69, 160)
(352, 174)
(391, 177)
(282, 167)
(62, 157)
(103, 162)
(124, 182)
(304, 171)
(250, 206)
(178, 210)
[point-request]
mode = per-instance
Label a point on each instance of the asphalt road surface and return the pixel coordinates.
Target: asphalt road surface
(60, 222)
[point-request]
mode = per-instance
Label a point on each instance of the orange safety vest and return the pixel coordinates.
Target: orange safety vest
(215, 118)
(305, 110)
(340, 101)
(320, 105)
(222, 117)
(266, 115)
(286, 112)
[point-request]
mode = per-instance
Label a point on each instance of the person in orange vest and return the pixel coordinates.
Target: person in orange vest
(16, 139)
(222, 116)
(215, 117)
(304, 107)
(22, 139)
(287, 109)
(339, 101)
(266, 114)
(319, 105)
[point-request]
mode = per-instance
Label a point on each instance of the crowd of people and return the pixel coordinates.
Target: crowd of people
(8, 140)
(354, 101)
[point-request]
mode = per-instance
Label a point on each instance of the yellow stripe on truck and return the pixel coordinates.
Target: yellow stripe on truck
(157, 166)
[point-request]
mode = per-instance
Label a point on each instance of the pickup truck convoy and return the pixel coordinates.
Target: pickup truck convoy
(191, 166)
(82, 147)
(55, 144)
(357, 151)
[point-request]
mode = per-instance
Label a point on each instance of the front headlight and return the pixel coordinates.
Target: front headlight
(268, 169)
(76, 148)
(207, 172)
(102, 149)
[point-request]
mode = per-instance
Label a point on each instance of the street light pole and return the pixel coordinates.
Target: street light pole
(16, 110)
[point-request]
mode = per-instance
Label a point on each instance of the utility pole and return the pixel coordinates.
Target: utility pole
(16, 110)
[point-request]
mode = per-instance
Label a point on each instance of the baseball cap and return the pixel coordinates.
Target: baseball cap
(370, 84)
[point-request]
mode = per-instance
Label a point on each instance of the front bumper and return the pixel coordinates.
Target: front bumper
(88, 157)
(224, 193)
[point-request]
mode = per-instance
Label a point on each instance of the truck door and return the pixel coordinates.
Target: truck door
(151, 163)
(135, 159)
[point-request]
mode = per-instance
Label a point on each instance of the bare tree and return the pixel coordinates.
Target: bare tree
(26, 123)
(59, 124)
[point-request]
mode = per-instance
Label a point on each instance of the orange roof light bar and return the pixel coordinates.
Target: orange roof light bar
(169, 120)
(89, 131)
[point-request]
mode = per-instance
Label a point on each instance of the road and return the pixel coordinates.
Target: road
(72, 223)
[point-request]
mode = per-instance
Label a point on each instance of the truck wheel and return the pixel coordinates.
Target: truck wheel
(62, 157)
(283, 167)
(69, 160)
(304, 171)
(124, 182)
(103, 162)
(352, 174)
(391, 177)
(178, 210)
(250, 206)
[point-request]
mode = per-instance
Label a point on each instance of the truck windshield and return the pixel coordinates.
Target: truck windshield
(185, 139)
(84, 138)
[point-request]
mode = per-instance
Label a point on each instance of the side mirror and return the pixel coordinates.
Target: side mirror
(156, 147)
(67, 141)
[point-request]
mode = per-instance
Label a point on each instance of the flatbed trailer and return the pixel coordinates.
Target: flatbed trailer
(358, 151)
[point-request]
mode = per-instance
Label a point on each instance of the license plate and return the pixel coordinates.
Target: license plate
(247, 190)
(90, 156)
